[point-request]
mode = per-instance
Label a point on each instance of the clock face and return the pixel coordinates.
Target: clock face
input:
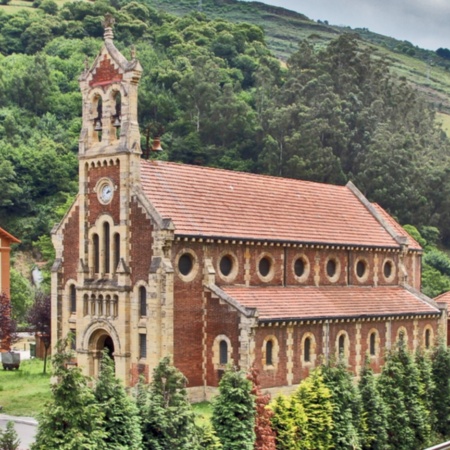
(106, 192)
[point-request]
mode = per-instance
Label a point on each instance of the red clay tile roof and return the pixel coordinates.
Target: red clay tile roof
(207, 202)
(290, 303)
(444, 298)
(8, 236)
(413, 244)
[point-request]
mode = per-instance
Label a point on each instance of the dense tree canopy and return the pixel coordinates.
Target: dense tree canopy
(334, 114)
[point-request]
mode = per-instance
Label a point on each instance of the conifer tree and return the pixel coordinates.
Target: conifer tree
(265, 436)
(373, 411)
(315, 398)
(8, 438)
(400, 388)
(427, 385)
(441, 391)
(208, 439)
(289, 423)
(346, 406)
(72, 420)
(168, 422)
(233, 416)
(122, 423)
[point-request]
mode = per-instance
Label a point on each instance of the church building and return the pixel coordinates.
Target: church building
(213, 267)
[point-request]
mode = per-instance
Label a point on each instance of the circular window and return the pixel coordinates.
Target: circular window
(299, 267)
(226, 265)
(387, 270)
(185, 264)
(265, 264)
(361, 268)
(331, 268)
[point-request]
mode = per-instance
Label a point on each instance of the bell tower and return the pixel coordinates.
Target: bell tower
(109, 169)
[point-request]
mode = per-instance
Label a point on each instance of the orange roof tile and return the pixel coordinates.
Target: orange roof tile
(413, 244)
(208, 202)
(290, 303)
(444, 298)
(8, 236)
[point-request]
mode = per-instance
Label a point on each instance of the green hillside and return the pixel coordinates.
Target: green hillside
(284, 29)
(220, 87)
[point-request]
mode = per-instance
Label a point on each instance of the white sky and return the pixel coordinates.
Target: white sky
(425, 23)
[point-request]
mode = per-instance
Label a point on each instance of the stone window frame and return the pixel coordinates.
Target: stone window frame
(216, 352)
(391, 278)
(429, 329)
(97, 250)
(143, 347)
(312, 350)
(275, 353)
(307, 264)
(195, 265)
(138, 296)
(71, 286)
(403, 330)
(234, 269)
(374, 331)
(337, 275)
(346, 353)
(271, 274)
(365, 276)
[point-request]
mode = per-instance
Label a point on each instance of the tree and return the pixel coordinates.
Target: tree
(441, 393)
(373, 411)
(8, 326)
(399, 384)
(72, 419)
(39, 318)
(315, 398)
(346, 406)
(168, 418)
(265, 436)
(289, 423)
(8, 438)
(122, 423)
(233, 416)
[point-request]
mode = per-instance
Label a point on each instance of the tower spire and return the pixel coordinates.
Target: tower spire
(108, 24)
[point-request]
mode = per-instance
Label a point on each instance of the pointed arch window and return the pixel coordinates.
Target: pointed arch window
(373, 344)
(106, 247)
(117, 116)
(223, 352)
(98, 126)
(427, 338)
(96, 249)
(269, 353)
(116, 250)
(307, 350)
(341, 345)
(143, 301)
(73, 299)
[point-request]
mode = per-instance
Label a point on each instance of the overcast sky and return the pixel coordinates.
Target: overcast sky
(425, 23)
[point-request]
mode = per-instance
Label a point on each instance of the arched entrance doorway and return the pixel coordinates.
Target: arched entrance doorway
(98, 343)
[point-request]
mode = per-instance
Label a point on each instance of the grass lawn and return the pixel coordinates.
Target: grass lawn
(203, 412)
(24, 392)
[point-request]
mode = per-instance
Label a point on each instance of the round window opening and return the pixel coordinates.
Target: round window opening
(299, 267)
(331, 268)
(264, 266)
(226, 265)
(185, 264)
(360, 269)
(387, 270)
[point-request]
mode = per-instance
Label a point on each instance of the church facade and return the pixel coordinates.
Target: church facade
(213, 267)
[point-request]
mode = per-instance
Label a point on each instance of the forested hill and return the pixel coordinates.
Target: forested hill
(334, 113)
(423, 69)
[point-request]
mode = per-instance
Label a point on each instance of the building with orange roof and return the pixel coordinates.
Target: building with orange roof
(6, 240)
(214, 267)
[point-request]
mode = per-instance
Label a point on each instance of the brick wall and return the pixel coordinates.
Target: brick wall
(71, 251)
(95, 207)
(141, 243)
